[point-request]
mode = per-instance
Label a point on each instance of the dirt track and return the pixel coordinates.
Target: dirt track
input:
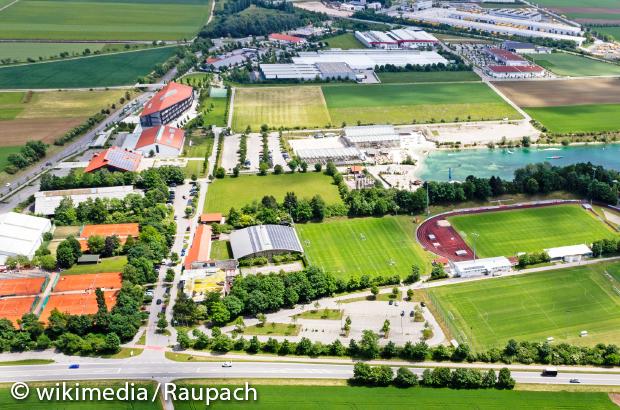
(561, 92)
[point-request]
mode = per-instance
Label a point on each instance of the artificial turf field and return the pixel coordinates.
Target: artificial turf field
(363, 246)
(578, 118)
(97, 71)
(103, 19)
(505, 233)
(342, 397)
(574, 66)
(237, 192)
(531, 307)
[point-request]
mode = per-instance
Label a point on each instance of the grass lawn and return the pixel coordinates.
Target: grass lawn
(194, 167)
(363, 246)
(97, 71)
(103, 19)
(574, 66)
(273, 329)
(11, 105)
(276, 397)
(289, 107)
(62, 232)
(344, 41)
(578, 118)
(33, 402)
(430, 77)
(114, 264)
(321, 314)
(27, 362)
(381, 297)
(220, 250)
(5, 152)
(535, 306)
(201, 144)
(238, 192)
(404, 104)
(505, 233)
(214, 112)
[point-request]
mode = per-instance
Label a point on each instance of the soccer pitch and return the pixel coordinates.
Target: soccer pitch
(505, 233)
(363, 246)
(559, 304)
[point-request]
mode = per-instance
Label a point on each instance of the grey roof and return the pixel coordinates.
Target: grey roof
(261, 238)
(334, 68)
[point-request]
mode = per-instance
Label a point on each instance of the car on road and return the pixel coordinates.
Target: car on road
(227, 364)
(411, 314)
(74, 366)
(549, 372)
(422, 304)
(574, 381)
(391, 302)
(158, 301)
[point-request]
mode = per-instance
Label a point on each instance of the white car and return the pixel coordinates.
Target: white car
(227, 364)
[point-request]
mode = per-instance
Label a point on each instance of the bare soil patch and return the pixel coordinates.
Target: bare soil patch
(552, 93)
(18, 131)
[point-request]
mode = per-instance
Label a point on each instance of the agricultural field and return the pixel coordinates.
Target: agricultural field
(613, 31)
(274, 397)
(586, 11)
(363, 246)
(21, 52)
(428, 77)
(103, 19)
(289, 107)
(344, 41)
(532, 307)
(47, 115)
(399, 104)
(578, 118)
(243, 190)
(96, 71)
(505, 233)
(571, 65)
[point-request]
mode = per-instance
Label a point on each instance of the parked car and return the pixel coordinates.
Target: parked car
(411, 314)
(158, 302)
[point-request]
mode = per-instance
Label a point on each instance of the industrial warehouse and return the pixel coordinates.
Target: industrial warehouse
(264, 240)
(394, 39)
(46, 202)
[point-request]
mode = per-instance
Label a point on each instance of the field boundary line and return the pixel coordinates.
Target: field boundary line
(231, 107)
(8, 5)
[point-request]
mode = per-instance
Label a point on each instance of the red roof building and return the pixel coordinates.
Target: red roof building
(285, 38)
(201, 246)
(167, 105)
(162, 141)
(212, 218)
(114, 159)
(507, 57)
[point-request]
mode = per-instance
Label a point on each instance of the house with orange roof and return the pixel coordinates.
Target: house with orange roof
(212, 218)
(114, 159)
(167, 105)
(162, 141)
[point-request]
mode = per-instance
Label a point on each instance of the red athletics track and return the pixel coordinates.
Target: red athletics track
(449, 241)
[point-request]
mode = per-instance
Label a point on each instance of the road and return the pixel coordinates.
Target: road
(134, 369)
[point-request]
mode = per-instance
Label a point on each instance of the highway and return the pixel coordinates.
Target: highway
(167, 370)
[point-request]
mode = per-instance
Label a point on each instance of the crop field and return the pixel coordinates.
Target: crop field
(345, 397)
(288, 107)
(23, 51)
(428, 77)
(613, 31)
(554, 93)
(578, 118)
(586, 11)
(505, 233)
(97, 71)
(574, 66)
(344, 41)
(238, 192)
(47, 115)
(103, 19)
(404, 104)
(363, 246)
(532, 307)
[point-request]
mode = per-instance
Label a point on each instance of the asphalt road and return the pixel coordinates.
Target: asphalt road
(240, 370)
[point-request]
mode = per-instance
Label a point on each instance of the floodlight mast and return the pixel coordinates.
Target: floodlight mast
(475, 236)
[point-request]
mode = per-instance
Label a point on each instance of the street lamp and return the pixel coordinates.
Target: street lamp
(475, 235)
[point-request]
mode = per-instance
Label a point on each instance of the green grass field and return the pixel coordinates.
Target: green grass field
(613, 31)
(574, 66)
(365, 398)
(428, 77)
(238, 192)
(289, 107)
(363, 246)
(505, 233)
(103, 20)
(220, 250)
(22, 51)
(98, 71)
(201, 144)
(532, 307)
(589, 12)
(5, 152)
(344, 41)
(214, 112)
(578, 118)
(113, 264)
(403, 104)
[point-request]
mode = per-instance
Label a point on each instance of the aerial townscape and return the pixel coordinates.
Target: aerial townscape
(313, 204)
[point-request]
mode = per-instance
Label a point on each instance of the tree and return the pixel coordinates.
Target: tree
(96, 244)
(374, 290)
(277, 169)
(112, 343)
(318, 167)
(386, 328)
(505, 380)
(162, 324)
(293, 164)
(263, 167)
(48, 262)
(111, 246)
(438, 272)
(220, 172)
(362, 373)
(219, 314)
(369, 345)
(410, 294)
(262, 319)
(318, 208)
(65, 257)
(414, 276)
(405, 378)
(304, 166)
(489, 379)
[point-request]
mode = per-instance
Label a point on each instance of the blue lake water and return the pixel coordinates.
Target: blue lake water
(502, 162)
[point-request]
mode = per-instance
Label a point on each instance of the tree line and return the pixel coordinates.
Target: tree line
(30, 153)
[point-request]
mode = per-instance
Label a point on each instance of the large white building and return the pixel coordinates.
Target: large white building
(371, 136)
(394, 39)
(308, 72)
(572, 253)
(264, 240)
(368, 59)
(487, 266)
(21, 234)
(46, 202)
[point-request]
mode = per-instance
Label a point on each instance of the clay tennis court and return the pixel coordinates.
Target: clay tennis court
(561, 92)
(21, 286)
(14, 308)
(109, 280)
(120, 230)
(77, 304)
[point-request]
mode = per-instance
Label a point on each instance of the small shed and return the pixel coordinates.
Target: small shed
(88, 260)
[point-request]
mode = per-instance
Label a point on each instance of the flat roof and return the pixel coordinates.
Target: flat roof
(515, 68)
(370, 58)
(562, 251)
(484, 263)
(261, 238)
(21, 234)
(345, 152)
(46, 202)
